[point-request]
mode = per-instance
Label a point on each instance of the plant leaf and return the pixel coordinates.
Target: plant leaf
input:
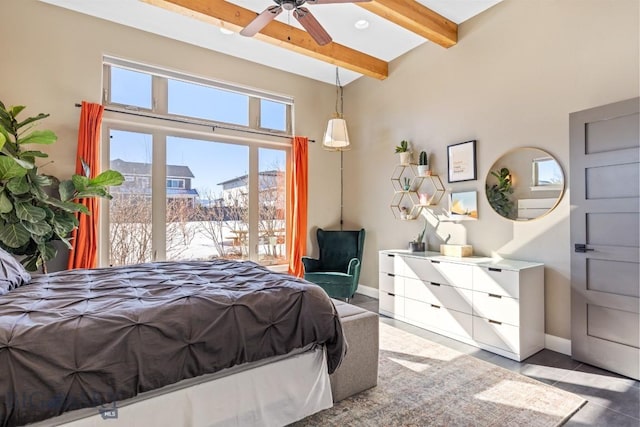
(14, 235)
(5, 204)
(64, 224)
(28, 212)
(3, 140)
(15, 110)
(108, 178)
(9, 168)
(30, 262)
(32, 119)
(39, 228)
(18, 185)
(39, 137)
(66, 206)
(80, 182)
(66, 190)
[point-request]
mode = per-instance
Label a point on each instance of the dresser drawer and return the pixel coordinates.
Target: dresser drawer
(458, 299)
(391, 283)
(444, 273)
(496, 281)
(438, 318)
(495, 334)
(496, 307)
(387, 263)
(390, 304)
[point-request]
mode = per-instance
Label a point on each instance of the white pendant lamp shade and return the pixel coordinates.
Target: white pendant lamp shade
(336, 137)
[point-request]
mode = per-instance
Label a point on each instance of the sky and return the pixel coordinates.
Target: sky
(210, 162)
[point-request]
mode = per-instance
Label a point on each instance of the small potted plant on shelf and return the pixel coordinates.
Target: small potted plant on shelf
(407, 184)
(418, 245)
(423, 165)
(403, 150)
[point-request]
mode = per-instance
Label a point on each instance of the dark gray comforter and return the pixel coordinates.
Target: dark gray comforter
(82, 338)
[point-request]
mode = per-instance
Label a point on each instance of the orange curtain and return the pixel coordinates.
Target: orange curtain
(85, 238)
(297, 210)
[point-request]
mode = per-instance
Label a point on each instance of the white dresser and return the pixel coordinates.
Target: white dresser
(497, 305)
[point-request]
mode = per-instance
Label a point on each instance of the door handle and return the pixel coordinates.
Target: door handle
(582, 248)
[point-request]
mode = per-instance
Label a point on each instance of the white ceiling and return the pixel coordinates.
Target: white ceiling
(383, 39)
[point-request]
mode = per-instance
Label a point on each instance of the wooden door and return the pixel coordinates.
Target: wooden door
(605, 236)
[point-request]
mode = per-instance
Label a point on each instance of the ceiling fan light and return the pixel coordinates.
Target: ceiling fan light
(226, 31)
(336, 137)
(361, 24)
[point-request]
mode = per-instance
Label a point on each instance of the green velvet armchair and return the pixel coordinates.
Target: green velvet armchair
(337, 271)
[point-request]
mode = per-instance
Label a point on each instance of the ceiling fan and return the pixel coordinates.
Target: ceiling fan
(302, 14)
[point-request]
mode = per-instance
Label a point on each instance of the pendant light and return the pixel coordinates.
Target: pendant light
(336, 138)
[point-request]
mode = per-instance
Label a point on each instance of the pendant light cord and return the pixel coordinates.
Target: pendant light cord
(339, 97)
(341, 186)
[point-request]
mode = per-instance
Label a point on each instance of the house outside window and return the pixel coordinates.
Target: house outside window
(189, 193)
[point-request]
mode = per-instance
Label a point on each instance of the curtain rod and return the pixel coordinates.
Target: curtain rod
(195, 122)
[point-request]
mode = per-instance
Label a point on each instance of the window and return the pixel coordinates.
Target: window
(191, 194)
(175, 183)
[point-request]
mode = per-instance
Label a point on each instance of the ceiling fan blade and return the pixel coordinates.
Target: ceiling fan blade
(334, 1)
(311, 24)
(261, 21)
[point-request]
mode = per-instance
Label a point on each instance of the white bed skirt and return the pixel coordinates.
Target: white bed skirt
(272, 394)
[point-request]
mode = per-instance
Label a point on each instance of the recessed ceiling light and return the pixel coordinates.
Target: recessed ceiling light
(361, 24)
(225, 31)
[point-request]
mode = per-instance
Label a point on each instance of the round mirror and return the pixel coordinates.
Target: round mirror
(524, 184)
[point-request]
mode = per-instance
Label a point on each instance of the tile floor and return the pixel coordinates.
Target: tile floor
(612, 400)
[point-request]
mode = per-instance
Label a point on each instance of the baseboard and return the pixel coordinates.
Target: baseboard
(367, 291)
(561, 345)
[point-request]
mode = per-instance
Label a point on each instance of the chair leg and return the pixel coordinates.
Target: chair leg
(347, 300)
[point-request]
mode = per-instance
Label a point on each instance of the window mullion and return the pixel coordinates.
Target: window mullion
(254, 190)
(254, 113)
(159, 197)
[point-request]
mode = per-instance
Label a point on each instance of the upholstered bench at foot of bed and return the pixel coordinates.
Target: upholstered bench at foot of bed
(359, 369)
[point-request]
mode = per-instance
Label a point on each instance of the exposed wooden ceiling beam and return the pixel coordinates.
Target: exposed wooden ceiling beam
(417, 18)
(234, 17)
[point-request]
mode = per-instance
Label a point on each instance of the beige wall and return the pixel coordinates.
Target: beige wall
(52, 59)
(518, 71)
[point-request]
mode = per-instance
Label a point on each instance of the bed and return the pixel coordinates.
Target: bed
(188, 339)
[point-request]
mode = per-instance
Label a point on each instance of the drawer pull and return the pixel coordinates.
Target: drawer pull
(435, 306)
(495, 269)
(495, 322)
(390, 255)
(435, 284)
(434, 261)
(391, 275)
(495, 296)
(390, 294)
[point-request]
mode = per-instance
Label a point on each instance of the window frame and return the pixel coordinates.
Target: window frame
(161, 125)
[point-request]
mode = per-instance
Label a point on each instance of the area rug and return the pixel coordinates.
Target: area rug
(422, 383)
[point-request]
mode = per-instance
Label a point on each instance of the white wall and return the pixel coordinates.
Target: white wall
(52, 59)
(518, 71)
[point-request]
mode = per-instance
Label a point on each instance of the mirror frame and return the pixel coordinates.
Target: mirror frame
(491, 181)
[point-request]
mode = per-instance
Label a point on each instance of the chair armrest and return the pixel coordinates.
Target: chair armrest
(311, 264)
(354, 266)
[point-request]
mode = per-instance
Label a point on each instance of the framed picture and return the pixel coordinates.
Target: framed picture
(463, 205)
(462, 161)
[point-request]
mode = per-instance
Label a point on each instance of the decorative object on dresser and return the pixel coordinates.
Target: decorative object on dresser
(418, 244)
(461, 159)
(456, 250)
(497, 305)
(403, 150)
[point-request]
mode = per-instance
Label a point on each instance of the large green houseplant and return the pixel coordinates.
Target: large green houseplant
(31, 217)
